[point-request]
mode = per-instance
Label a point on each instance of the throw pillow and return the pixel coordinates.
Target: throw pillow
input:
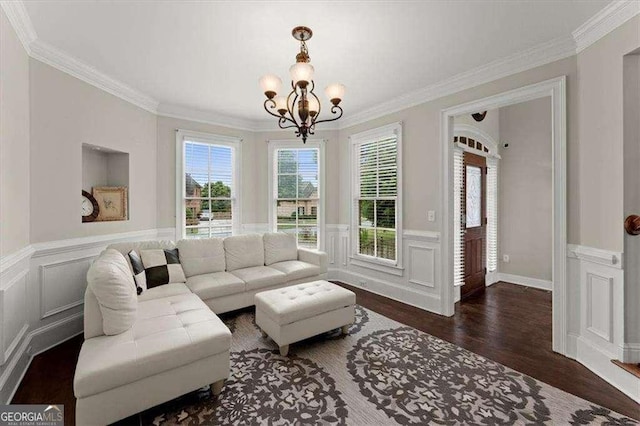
(162, 267)
(139, 275)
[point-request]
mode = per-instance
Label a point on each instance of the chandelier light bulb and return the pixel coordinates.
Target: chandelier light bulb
(314, 106)
(281, 104)
(271, 85)
(335, 92)
(301, 73)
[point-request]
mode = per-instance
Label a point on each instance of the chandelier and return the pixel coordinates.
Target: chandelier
(302, 96)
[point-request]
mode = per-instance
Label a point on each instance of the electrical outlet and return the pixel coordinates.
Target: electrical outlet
(431, 216)
(505, 258)
(363, 283)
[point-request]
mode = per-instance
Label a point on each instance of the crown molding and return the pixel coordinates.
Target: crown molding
(604, 22)
(19, 19)
(37, 49)
(536, 56)
(207, 117)
(64, 62)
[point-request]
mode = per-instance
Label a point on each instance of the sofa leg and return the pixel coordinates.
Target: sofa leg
(263, 333)
(345, 329)
(216, 388)
(284, 350)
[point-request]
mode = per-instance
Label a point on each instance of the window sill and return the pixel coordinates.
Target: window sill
(387, 268)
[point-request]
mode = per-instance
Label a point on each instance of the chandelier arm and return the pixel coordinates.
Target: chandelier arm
(283, 120)
(333, 111)
(313, 120)
(278, 116)
(292, 107)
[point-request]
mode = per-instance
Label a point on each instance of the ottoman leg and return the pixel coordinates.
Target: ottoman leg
(216, 388)
(345, 329)
(284, 350)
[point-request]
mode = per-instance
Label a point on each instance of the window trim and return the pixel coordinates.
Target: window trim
(273, 146)
(212, 139)
(393, 267)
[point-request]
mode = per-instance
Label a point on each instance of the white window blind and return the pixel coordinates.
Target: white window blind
(492, 215)
(297, 193)
(376, 198)
(458, 217)
(209, 190)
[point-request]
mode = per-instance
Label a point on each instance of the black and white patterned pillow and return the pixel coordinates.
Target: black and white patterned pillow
(139, 276)
(162, 267)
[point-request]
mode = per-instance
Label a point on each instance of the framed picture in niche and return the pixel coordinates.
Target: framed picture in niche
(112, 202)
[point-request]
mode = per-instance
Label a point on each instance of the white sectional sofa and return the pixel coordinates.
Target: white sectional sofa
(142, 350)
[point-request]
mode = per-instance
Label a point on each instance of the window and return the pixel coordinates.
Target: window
(207, 185)
(377, 195)
(296, 190)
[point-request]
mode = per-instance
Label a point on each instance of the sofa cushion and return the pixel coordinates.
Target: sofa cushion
(296, 269)
(162, 266)
(279, 247)
(110, 280)
(167, 290)
(168, 333)
(243, 251)
(218, 284)
(260, 277)
(201, 256)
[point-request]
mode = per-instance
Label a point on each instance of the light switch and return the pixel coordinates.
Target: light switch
(431, 216)
(505, 258)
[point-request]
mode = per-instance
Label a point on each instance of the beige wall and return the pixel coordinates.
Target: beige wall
(525, 190)
(490, 125)
(66, 112)
(422, 153)
(14, 141)
(601, 137)
(632, 194)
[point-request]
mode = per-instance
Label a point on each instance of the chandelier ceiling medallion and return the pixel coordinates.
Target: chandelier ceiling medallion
(302, 96)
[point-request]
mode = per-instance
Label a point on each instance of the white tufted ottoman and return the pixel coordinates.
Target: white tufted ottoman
(294, 313)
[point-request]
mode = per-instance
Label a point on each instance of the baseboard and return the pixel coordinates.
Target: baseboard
(600, 363)
(631, 353)
(36, 342)
(525, 281)
(389, 290)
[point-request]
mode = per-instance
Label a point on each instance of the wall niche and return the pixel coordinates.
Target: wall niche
(105, 175)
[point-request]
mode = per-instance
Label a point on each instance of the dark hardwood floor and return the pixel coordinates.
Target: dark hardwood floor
(509, 324)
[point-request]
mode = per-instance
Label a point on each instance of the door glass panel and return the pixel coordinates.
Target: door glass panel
(474, 196)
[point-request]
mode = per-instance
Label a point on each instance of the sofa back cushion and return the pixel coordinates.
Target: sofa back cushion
(243, 251)
(279, 247)
(110, 280)
(204, 256)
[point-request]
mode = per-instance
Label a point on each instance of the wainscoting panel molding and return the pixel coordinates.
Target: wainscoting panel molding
(600, 335)
(41, 296)
(59, 284)
(599, 319)
(422, 265)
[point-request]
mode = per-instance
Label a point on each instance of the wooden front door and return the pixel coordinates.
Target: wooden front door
(474, 206)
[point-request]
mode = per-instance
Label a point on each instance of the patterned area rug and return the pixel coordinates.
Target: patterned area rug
(380, 373)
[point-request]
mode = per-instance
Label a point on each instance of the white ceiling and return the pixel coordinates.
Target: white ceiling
(209, 55)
